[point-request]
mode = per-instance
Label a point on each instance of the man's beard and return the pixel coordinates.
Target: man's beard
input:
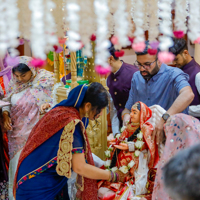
(146, 77)
(150, 75)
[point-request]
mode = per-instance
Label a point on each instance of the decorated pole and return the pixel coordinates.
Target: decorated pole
(56, 67)
(73, 70)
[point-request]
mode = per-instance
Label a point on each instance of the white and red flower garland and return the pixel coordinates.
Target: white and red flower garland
(180, 18)
(102, 43)
(9, 27)
(73, 18)
(194, 17)
(166, 29)
(121, 23)
(139, 41)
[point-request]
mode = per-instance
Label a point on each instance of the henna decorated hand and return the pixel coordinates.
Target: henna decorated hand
(121, 175)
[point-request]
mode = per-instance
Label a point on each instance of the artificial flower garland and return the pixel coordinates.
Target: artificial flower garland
(180, 18)
(102, 42)
(87, 19)
(138, 145)
(12, 23)
(38, 28)
(166, 29)
(73, 19)
(9, 27)
(50, 27)
(194, 29)
(121, 23)
(139, 44)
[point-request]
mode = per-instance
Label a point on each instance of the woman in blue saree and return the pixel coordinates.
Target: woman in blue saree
(59, 143)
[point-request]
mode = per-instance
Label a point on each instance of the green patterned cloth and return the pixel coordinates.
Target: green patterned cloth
(50, 56)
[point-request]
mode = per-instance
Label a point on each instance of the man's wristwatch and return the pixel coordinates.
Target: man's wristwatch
(165, 116)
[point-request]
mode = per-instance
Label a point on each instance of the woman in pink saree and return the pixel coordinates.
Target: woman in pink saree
(182, 131)
(29, 93)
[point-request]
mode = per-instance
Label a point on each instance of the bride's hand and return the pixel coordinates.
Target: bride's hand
(122, 146)
(44, 106)
(121, 175)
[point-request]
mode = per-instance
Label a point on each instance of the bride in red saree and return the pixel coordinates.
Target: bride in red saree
(134, 153)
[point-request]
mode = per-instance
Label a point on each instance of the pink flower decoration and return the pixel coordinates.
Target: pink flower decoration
(179, 34)
(139, 47)
(152, 51)
(119, 53)
(55, 47)
(102, 70)
(61, 40)
(114, 40)
(165, 57)
(59, 49)
(37, 63)
(154, 44)
(197, 41)
(21, 41)
(12, 61)
(93, 37)
(131, 39)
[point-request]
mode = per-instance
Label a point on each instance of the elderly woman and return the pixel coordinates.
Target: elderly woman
(29, 93)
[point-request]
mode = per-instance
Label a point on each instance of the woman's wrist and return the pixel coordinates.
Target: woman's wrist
(114, 177)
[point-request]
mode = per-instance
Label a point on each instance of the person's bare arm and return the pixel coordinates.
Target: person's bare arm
(82, 168)
(183, 100)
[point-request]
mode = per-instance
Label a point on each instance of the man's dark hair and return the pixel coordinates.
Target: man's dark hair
(179, 46)
(97, 95)
(182, 174)
(112, 51)
(22, 68)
